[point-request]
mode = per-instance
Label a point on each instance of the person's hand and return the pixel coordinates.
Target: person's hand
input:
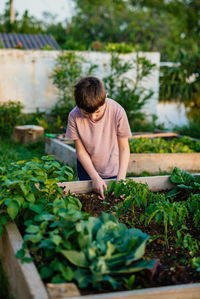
(98, 185)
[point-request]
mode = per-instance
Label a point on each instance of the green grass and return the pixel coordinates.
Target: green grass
(11, 151)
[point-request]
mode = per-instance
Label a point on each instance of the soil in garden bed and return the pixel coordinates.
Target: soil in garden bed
(172, 266)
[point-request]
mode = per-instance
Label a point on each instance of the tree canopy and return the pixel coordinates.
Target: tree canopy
(147, 25)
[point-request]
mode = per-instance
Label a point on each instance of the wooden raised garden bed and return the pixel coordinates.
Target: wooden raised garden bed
(24, 279)
(153, 163)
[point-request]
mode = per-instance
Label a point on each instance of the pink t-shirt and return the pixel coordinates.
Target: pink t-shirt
(100, 138)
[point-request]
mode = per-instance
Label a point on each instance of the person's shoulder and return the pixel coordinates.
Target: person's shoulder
(114, 105)
(74, 113)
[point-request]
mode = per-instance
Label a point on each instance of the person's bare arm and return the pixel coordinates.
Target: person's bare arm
(124, 155)
(98, 184)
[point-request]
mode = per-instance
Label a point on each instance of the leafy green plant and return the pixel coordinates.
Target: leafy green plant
(29, 186)
(122, 48)
(9, 116)
(186, 183)
(106, 248)
(160, 145)
(196, 263)
(47, 48)
(167, 213)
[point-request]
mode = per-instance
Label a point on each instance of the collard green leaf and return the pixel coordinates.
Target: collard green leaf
(181, 177)
(136, 267)
(173, 192)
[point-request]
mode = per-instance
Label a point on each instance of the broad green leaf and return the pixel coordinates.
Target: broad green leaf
(38, 208)
(13, 209)
(25, 189)
(56, 239)
(46, 272)
(32, 238)
(31, 229)
(75, 257)
(136, 267)
(181, 177)
(67, 273)
(30, 197)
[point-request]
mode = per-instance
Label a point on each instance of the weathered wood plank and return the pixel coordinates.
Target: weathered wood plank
(24, 279)
(155, 183)
(62, 290)
(154, 135)
(154, 163)
(189, 291)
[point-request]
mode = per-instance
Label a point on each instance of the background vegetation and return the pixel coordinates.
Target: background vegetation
(146, 25)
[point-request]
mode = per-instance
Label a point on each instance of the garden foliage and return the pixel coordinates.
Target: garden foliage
(160, 145)
(178, 211)
(67, 244)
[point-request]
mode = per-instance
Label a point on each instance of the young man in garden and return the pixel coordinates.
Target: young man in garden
(100, 130)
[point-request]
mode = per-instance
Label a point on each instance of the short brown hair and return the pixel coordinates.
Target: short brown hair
(89, 94)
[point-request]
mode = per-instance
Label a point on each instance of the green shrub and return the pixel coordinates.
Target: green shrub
(47, 48)
(10, 113)
(122, 48)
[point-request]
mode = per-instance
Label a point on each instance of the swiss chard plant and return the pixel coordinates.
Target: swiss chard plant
(160, 145)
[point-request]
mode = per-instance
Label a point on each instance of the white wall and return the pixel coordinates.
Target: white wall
(24, 76)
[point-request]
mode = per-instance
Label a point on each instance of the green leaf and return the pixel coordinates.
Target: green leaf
(67, 273)
(46, 272)
(32, 238)
(3, 219)
(38, 208)
(181, 177)
(30, 197)
(75, 257)
(32, 229)
(25, 189)
(56, 239)
(13, 209)
(174, 192)
(136, 267)
(20, 253)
